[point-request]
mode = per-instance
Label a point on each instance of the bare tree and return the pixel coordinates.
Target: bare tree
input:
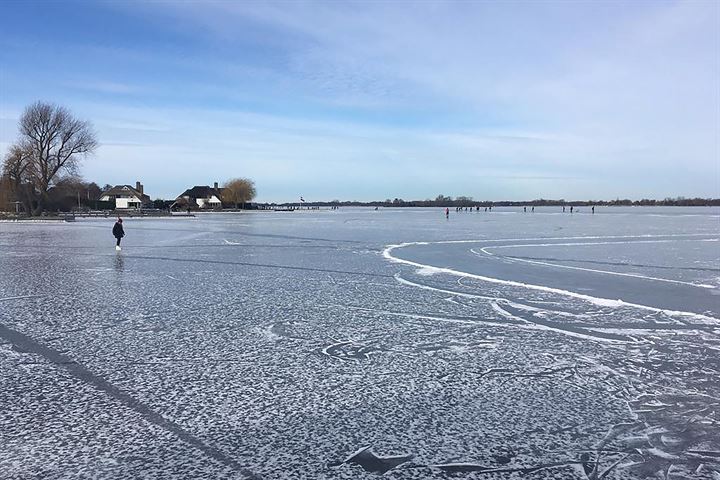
(238, 191)
(54, 142)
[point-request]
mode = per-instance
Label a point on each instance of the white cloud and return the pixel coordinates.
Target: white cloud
(399, 99)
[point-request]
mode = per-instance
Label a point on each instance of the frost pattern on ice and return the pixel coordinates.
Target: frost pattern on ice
(296, 344)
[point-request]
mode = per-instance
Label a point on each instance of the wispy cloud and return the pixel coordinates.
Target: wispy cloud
(402, 99)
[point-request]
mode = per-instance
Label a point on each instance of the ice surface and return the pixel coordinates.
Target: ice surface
(284, 345)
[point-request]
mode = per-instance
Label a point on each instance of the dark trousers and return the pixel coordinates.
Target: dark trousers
(118, 241)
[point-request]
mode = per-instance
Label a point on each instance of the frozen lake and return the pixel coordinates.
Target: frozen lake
(273, 345)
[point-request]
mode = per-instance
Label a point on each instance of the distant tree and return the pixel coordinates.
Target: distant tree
(238, 191)
(16, 178)
(92, 191)
(71, 193)
(463, 200)
(183, 204)
(7, 196)
(52, 142)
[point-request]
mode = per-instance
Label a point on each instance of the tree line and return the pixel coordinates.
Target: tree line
(463, 201)
(40, 171)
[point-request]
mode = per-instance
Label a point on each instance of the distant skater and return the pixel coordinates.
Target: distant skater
(447, 212)
(524, 209)
(563, 209)
(532, 210)
(593, 209)
(571, 208)
(118, 233)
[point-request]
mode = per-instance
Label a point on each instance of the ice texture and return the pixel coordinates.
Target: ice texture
(354, 343)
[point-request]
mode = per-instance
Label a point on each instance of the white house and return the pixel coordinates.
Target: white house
(126, 197)
(200, 196)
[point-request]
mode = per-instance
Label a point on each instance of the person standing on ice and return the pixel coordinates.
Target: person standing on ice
(447, 212)
(118, 232)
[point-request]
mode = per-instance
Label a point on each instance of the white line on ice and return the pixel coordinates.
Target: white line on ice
(603, 302)
(434, 289)
(494, 300)
(587, 237)
(495, 304)
(326, 351)
(634, 275)
(592, 243)
(19, 297)
(536, 326)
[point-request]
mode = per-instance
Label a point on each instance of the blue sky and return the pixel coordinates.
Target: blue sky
(370, 100)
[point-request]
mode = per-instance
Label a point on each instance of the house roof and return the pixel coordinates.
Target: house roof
(125, 190)
(202, 191)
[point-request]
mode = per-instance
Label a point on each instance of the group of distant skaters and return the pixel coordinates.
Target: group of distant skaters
(489, 209)
(592, 209)
(465, 209)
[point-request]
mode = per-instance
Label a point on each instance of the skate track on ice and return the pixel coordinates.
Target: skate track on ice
(609, 289)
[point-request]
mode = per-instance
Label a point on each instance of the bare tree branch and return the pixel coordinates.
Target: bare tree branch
(55, 142)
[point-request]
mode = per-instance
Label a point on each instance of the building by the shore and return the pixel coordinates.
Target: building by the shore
(200, 196)
(127, 197)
